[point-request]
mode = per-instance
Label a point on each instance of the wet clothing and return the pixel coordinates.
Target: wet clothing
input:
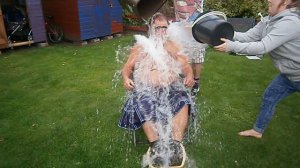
(154, 104)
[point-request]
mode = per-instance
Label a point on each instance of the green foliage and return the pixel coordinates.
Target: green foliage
(129, 15)
(133, 21)
(237, 8)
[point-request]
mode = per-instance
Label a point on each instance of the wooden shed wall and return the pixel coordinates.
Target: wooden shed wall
(94, 18)
(65, 13)
(116, 16)
(36, 19)
(3, 36)
(81, 19)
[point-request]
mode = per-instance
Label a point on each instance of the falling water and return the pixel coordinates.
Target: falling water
(181, 32)
(120, 57)
(165, 65)
(155, 55)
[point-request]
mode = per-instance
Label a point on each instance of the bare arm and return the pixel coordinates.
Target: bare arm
(129, 67)
(187, 70)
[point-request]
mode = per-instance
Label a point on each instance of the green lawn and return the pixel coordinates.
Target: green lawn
(59, 107)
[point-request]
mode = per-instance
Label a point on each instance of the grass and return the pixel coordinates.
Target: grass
(59, 108)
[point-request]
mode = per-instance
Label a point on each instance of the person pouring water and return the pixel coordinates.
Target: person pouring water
(277, 34)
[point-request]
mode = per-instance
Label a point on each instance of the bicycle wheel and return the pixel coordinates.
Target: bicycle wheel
(55, 33)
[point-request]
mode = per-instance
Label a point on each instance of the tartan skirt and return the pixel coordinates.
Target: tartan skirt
(153, 105)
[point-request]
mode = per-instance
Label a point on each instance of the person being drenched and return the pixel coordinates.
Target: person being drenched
(156, 76)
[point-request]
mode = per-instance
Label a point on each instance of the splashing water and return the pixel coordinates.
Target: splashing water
(156, 73)
(120, 55)
(181, 32)
(144, 82)
(152, 48)
(147, 81)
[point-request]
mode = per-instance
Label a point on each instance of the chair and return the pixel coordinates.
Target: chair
(187, 137)
(134, 138)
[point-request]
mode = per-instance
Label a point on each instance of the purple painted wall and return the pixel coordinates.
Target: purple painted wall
(36, 20)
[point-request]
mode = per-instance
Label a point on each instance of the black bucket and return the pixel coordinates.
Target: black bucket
(146, 8)
(209, 27)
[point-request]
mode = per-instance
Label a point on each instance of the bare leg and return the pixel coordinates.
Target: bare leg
(251, 133)
(150, 131)
(197, 69)
(179, 124)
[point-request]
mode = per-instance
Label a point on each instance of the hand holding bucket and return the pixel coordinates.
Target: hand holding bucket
(210, 27)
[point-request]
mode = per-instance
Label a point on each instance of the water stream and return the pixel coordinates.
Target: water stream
(157, 84)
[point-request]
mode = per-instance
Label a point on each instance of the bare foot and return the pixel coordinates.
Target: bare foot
(251, 133)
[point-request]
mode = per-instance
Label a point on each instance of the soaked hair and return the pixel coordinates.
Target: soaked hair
(158, 16)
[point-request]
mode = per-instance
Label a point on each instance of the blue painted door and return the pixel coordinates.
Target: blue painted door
(94, 18)
(116, 11)
(102, 18)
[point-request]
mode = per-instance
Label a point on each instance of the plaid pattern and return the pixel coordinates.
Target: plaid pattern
(154, 104)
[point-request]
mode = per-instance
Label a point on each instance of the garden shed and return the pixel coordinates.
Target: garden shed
(21, 23)
(116, 16)
(85, 19)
